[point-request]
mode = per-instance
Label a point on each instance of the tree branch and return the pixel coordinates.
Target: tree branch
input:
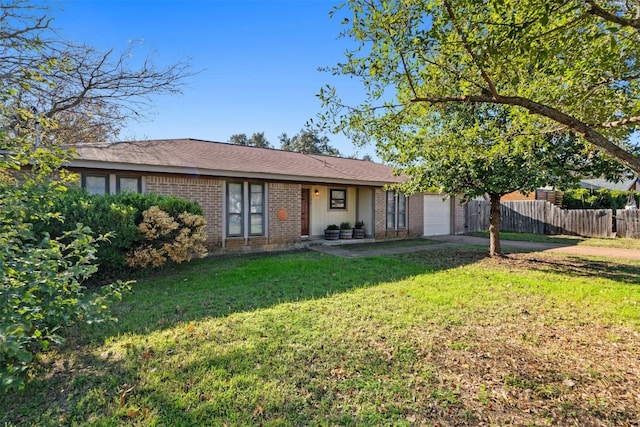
(70, 83)
(465, 42)
(619, 123)
(611, 17)
(578, 126)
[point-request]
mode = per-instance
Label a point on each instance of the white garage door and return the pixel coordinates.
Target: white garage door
(437, 215)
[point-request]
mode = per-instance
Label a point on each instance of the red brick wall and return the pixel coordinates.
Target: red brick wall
(380, 214)
(380, 231)
(206, 191)
(416, 215)
(284, 198)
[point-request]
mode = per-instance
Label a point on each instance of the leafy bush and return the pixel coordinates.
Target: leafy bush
(584, 198)
(43, 273)
(42, 290)
(345, 225)
(116, 215)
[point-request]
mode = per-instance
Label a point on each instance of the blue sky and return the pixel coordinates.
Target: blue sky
(258, 61)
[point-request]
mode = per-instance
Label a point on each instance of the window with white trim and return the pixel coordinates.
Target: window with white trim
(396, 211)
(256, 203)
(235, 205)
(245, 209)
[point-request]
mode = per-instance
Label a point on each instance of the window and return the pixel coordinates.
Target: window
(402, 212)
(128, 183)
(256, 225)
(96, 184)
(245, 209)
(338, 199)
(396, 211)
(391, 210)
(105, 183)
(234, 209)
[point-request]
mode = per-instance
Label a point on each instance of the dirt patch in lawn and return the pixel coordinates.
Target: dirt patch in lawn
(532, 373)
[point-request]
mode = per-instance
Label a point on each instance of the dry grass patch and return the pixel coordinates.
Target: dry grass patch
(531, 372)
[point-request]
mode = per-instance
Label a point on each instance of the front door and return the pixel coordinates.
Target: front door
(304, 211)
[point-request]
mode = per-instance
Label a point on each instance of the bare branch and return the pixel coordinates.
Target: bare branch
(619, 123)
(74, 84)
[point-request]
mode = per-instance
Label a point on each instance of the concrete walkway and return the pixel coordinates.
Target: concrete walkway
(565, 248)
(463, 240)
(347, 252)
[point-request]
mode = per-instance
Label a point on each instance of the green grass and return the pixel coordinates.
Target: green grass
(404, 243)
(439, 337)
(570, 240)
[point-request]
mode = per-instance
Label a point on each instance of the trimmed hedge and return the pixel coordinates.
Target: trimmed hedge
(584, 198)
(117, 216)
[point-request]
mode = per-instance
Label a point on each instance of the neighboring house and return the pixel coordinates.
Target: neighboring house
(257, 199)
(549, 194)
(625, 185)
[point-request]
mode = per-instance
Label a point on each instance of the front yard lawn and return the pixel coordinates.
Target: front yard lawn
(439, 337)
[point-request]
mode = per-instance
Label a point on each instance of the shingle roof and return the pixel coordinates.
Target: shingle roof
(197, 157)
(595, 184)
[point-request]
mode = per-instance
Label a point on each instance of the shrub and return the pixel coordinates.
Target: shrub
(179, 239)
(345, 225)
(333, 227)
(115, 215)
(584, 198)
(43, 272)
(41, 290)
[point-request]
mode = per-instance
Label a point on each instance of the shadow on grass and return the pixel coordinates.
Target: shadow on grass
(216, 287)
(581, 267)
(76, 382)
(392, 244)
(565, 240)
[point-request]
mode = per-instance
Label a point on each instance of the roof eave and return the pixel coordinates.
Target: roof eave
(130, 167)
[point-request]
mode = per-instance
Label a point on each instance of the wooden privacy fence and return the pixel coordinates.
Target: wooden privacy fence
(541, 217)
(628, 223)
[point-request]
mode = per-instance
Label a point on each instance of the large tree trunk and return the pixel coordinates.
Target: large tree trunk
(494, 226)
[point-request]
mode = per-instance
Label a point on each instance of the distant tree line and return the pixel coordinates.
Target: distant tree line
(306, 141)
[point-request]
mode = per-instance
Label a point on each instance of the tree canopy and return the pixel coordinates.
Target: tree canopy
(308, 141)
(257, 140)
(557, 65)
(477, 150)
(88, 94)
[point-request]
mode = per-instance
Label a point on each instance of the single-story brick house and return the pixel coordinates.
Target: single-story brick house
(258, 199)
